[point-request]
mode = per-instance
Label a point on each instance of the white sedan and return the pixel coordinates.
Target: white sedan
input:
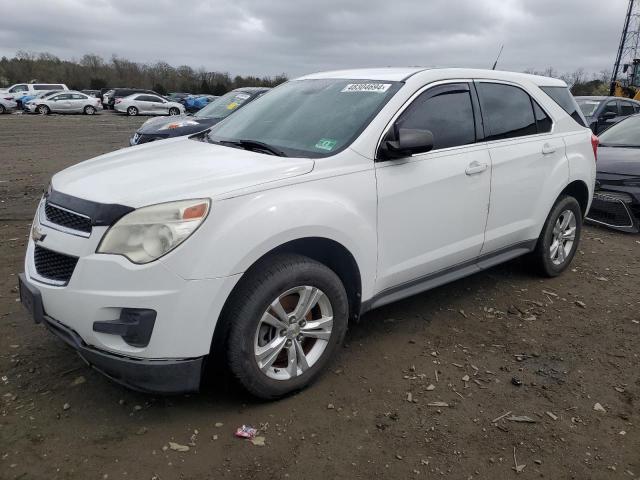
(64, 102)
(147, 104)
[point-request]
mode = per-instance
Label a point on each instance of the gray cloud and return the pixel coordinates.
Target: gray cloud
(301, 36)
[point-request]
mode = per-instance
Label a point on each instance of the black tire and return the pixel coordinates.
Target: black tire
(132, 111)
(264, 283)
(541, 258)
(89, 110)
(43, 110)
(2, 109)
(174, 111)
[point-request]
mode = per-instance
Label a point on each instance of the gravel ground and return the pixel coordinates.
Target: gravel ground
(548, 369)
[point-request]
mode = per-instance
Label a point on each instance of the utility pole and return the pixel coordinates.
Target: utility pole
(628, 49)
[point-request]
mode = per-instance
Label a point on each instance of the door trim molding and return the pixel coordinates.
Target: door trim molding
(446, 275)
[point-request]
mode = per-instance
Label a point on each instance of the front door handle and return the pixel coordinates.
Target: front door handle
(547, 148)
(475, 168)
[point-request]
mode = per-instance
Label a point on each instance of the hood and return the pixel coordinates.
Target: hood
(621, 161)
(154, 125)
(174, 169)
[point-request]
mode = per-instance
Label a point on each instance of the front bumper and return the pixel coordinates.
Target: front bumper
(146, 375)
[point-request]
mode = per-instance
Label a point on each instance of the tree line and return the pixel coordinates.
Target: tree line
(94, 72)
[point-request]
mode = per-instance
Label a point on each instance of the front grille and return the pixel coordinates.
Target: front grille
(53, 265)
(67, 219)
(611, 209)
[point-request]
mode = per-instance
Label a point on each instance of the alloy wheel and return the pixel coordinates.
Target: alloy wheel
(293, 332)
(562, 237)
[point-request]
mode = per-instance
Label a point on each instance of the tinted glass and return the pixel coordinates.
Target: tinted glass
(562, 96)
(611, 107)
(588, 107)
(153, 98)
(47, 87)
(507, 111)
(61, 97)
(145, 98)
(626, 108)
(542, 119)
(308, 118)
(447, 112)
(19, 88)
(623, 134)
(77, 96)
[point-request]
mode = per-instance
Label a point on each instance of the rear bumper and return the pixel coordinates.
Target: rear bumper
(165, 376)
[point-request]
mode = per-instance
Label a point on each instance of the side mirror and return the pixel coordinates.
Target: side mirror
(410, 141)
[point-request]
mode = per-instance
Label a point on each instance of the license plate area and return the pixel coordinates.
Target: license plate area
(31, 298)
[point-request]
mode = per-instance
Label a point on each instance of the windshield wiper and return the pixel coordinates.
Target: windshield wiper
(251, 145)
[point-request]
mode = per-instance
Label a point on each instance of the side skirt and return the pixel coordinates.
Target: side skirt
(447, 275)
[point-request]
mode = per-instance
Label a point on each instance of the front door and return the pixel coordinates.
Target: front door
(432, 207)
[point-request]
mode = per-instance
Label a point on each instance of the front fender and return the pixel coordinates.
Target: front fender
(240, 230)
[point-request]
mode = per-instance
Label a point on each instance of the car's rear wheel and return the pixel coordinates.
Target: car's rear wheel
(132, 111)
(89, 110)
(43, 110)
(174, 111)
(287, 319)
(559, 238)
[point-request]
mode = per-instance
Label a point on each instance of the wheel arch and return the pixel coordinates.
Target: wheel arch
(324, 250)
(578, 190)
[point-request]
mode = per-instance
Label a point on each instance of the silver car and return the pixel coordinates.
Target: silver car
(64, 102)
(147, 104)
(6, 103)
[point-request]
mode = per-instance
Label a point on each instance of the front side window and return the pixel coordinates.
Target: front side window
(62, 97)
(507, 111)
(19, 88)
(309, 118)
(77, 96)
(145, 98)
(611, 107)
(588, 107)
(446, 111)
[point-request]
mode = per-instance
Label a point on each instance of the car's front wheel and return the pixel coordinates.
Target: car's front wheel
(43, 110)
(559, 238)
(132, 111)
(287, 319)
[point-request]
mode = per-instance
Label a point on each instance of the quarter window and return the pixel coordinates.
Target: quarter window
(507, 111)
(446, 111)
(543, 121)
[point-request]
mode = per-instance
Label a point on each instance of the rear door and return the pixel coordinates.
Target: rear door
(528, 160)
(158, 106)
(77, 102)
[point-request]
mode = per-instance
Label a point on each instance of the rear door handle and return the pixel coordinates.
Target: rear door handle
(548, 148)
(475, 168)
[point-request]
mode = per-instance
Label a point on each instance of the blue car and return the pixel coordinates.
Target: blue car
(194, 103)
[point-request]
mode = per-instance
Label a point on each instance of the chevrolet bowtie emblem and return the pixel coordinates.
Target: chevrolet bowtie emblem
(36, 234)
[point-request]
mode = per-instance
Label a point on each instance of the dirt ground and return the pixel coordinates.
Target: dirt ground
(494, 347)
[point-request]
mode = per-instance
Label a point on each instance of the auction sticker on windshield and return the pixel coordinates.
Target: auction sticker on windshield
(366, 87)
(326, 144)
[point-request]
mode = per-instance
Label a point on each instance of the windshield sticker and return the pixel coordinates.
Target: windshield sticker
(326, 144)
(366, 87)
(242, 96)
(232, 105)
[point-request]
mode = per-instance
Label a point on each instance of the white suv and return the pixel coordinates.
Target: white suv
(20, 90)
(333, 194)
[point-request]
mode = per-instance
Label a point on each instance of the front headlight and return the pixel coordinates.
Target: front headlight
(148, 233)
(179, 124)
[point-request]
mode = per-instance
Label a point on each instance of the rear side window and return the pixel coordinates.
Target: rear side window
(47, 87)
(507, 111)
(543, 121)
(446, 111)
(146, 98)
(562, 96)
(626, 108)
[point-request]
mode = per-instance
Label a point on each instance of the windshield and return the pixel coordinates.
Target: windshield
(588, 107)
(623, 134)
(223, 106)
(311, 118)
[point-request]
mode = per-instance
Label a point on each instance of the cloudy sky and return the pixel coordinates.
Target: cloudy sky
(266, 37)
